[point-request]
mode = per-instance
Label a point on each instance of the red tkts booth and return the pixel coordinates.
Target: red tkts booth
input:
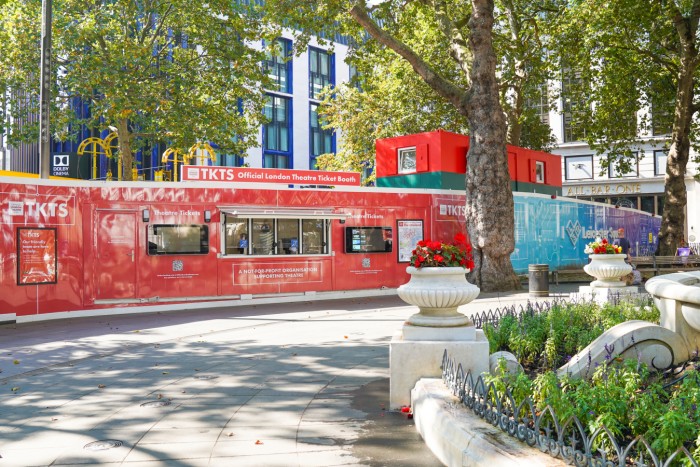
(84, 247)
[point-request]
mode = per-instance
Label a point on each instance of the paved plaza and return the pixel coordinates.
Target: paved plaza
(284, 384)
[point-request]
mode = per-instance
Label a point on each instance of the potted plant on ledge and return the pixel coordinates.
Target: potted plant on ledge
(438, 284)
(607, 264)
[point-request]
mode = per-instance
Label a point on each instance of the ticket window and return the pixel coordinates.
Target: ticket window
(313, 236)
(288, 237)
(263, 237)
(237, 237)
(276, 236)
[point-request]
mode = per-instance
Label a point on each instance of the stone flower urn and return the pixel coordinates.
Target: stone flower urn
(607, 269)
(438, 292)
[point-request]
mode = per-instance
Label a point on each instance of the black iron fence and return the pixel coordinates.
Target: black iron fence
(570, 440)
(530, 309)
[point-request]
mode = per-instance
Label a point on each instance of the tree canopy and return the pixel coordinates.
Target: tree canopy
(462, 71)
(632, 67)
(389, 99)
(175, 72)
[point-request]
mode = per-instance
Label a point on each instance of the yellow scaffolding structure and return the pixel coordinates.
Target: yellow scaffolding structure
(174, 156)
(203, 150)
(109, 140)
(198, 148)
(96, 147)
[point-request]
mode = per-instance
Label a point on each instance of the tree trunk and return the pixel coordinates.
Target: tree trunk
(673, 217)
(675, 194)
(490, 210)
(125, 148)
(490, 215)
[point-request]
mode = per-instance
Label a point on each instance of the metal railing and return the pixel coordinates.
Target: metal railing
(569, 441)
(531, 309)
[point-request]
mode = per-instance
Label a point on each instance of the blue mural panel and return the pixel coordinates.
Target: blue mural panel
(556, 231)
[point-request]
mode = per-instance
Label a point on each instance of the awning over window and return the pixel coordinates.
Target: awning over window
(260, 212)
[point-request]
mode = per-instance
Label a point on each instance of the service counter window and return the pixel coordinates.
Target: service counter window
(178, 239)
(236, 237)
(263, 238)
(288, 235)
(368, 240)
(313, 239)
(275, 236)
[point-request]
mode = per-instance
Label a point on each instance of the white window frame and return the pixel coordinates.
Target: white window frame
(631, 174)
(578, 167)
(404, 160)
(539, 172)
(660, 157)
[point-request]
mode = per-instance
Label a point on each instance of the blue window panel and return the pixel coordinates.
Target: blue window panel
(278, 66)
(277, 133)
(321, 71)
(320, 141)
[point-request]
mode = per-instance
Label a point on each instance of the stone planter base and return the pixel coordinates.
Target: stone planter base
(410, 361)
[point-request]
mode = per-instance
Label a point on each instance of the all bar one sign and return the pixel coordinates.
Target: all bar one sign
(210, 173)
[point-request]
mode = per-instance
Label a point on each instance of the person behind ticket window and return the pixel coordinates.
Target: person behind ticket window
(243, 243)
(622, 242)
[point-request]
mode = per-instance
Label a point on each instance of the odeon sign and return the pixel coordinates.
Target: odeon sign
(606, 189)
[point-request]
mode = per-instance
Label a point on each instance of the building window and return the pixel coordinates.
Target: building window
(278, 65)
(406, 160)
(321, 141)
(573, 107)
(578, 167)
(661, 117)
(539, 103)
(623, 168)
(320, 71)
(354, 75)
(660, 162)
(539, 172)
(277, 133)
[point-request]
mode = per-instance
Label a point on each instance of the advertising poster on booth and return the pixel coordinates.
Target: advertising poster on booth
(36, 256)
(410, 233)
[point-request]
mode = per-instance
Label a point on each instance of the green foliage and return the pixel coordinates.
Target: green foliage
(171, 71)
(548, 340)
(622, 395)
(390, 99)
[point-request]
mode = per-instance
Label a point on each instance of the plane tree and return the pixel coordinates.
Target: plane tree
(632, 68)
(449, 46)
(174, 71)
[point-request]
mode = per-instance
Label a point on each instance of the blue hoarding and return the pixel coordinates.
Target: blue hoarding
(556, 231)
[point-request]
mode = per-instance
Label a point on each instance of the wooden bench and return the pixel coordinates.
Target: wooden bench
(566, 272)
(658, 264)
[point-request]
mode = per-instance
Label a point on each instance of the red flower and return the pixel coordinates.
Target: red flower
(457, 253)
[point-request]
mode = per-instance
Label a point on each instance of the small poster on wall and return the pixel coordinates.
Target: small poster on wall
(36, 256)
(410, 232)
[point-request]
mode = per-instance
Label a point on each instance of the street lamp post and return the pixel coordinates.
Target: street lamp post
(45, 92)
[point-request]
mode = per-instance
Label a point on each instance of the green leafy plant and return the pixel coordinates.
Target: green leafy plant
(625, 396)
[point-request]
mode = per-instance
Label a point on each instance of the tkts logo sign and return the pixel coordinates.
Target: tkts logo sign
(45, 210)
(450, 210)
